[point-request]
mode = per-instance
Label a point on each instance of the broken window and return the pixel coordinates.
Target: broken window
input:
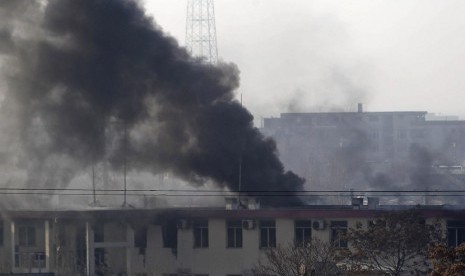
(170, 234)
(140, 239)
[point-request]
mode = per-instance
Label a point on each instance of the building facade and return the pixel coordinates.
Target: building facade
(176, 241)
(371, 150)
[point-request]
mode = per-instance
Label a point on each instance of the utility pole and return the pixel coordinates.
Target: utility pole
(201, 30)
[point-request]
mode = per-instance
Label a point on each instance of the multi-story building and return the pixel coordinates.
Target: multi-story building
(371, 150)
(178, 241)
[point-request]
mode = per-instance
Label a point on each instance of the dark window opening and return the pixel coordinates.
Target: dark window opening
(81, 253)
(140, 239)
(101, 267)
(98, 233)
(170, 234)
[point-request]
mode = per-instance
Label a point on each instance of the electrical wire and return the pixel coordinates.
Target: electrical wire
(217, 193)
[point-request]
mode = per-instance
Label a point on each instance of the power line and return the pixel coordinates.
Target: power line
(218, 193)
(224, 191)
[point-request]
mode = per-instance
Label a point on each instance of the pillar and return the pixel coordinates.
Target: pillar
(13, 244)
(129, 248)
(90, 250)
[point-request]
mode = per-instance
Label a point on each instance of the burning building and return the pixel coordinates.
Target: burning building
(178, 241)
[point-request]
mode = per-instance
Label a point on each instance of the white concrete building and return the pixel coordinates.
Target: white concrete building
(176, 241)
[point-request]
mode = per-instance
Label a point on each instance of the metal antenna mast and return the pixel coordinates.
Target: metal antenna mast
(201, 30)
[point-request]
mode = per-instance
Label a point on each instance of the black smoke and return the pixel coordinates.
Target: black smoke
(98, 65)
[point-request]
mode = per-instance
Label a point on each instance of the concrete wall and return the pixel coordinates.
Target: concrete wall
(217, 259)
(122, 257)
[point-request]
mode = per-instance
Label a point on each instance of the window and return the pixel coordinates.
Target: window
(267, 234)
(1, 233)
(455, 232)
(417, 133)
(338, 230)
(401, 134)
(201, 233)
(373, 118)
(99, 261)
(377, 223)
(27, 235)
(303, 232)
(374, 147)
(401, 147)
(169, 233)
(234, 232)
(38, 260)
(140, 239)
(373, 134)
(98, 232)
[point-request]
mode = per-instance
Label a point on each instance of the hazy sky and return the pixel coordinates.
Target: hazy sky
(310, 55)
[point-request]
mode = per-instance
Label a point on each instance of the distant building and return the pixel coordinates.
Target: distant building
(178, 241)
(371, 150)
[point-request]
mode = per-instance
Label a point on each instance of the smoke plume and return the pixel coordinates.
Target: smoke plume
(97, 80)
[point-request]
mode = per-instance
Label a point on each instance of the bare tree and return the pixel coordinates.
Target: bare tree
(315, 258)
(394, 244)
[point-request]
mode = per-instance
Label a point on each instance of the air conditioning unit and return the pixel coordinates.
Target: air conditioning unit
(318, 224)
(248, 224)
(183, 224)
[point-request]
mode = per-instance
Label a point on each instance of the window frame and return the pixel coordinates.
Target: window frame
(2, 234)
(339, 228)
(201, 235)
(169, 235)
(234, 227)
(267, 231)
(27, 235)
(303, 226)
(457, 226)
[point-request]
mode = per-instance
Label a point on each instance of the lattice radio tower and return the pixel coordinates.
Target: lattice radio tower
(201, 30)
